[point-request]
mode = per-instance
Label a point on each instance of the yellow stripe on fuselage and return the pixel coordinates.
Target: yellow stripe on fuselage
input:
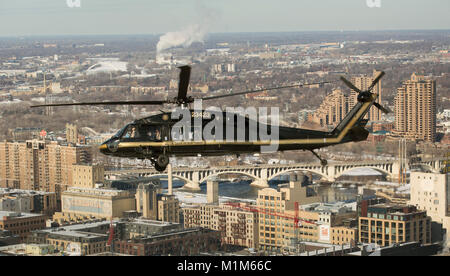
(334, 140)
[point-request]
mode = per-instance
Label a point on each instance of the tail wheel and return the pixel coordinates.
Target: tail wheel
(159, 169)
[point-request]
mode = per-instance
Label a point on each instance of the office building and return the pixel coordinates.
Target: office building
(25, 133)
(415, 109)
(28, 250)
(430, 192)
(15, 203)
(143, 227)
(8, 238)
(168, 208)
(88, 175)
(26, 201)
(186, 242)
(21, 224)
(237, 226)
(154, 206)
(385, 224)
(77, 240)
(341, 235)
(277, 213)
(80, 204)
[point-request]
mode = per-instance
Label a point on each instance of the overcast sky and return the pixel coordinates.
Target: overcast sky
(55, 17)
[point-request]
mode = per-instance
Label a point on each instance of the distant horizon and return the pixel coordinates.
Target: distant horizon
(231, 32)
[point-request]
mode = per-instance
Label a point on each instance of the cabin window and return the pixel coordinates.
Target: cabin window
(143, 132)
(152, 132)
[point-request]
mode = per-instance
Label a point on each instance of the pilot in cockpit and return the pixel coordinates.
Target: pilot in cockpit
(154, 134)
(131, 132)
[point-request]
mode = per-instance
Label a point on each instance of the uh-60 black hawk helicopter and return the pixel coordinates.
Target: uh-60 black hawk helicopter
(154, 138)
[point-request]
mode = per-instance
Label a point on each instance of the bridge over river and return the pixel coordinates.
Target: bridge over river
(262, 174)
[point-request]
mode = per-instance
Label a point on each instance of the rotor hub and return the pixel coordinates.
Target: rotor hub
(364, 97)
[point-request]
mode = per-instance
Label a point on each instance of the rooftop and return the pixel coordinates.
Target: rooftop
(152, 222)
(96, 191)
(17, 215)
(338, 207)
(6, 191)
(78, 230)
(388, 208)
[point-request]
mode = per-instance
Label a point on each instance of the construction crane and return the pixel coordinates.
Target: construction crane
(111, 236)
(297, 221)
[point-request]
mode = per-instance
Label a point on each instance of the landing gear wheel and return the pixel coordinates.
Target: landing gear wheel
(162, 161)
(159, 168)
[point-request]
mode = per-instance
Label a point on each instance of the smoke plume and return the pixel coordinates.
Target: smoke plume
(192, 33)
(184, 37)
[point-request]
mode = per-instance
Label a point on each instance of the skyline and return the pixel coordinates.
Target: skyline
(101, 17)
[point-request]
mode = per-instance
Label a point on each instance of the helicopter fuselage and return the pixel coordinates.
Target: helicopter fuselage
(159, 135)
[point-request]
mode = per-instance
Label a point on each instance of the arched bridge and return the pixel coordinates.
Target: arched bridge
(261, 174)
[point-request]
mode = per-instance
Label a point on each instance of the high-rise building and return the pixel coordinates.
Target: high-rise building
(337, 104)
(40, 165)
(415, 109)
(332, 110)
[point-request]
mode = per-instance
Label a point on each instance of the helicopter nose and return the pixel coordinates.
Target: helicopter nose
(109, 147)
(104, 149)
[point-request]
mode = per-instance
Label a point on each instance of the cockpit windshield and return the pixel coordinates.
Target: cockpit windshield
(141, 133)
(120, 132)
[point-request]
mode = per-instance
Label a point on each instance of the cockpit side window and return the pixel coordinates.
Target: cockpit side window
(131, 132)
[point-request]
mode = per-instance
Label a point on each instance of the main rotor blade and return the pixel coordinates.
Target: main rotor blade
(350, 85)
(106, 103)
(376, 80)
(183, 85)
(260, 90)
(385, 110)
